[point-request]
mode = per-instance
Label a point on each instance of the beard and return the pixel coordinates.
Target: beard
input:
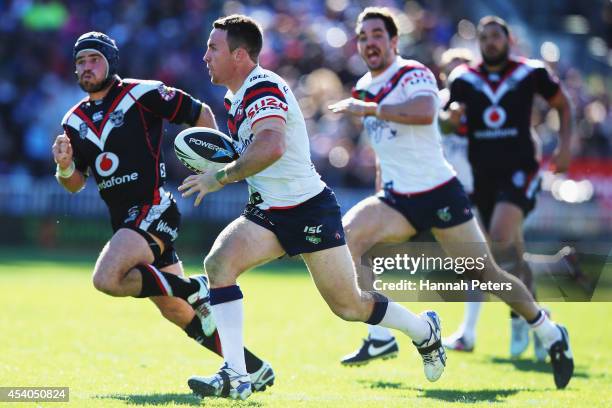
(91, 87)
(497, 59)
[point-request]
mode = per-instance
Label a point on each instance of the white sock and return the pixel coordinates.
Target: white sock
(400, 318)
(470, 319)
(546, 330)
(379, 332)
(229, 317)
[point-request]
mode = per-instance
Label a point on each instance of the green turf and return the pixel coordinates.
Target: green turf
(56, 330)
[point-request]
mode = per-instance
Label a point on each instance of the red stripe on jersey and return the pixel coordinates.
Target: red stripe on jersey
(269, 116)
(159, 282)
(155, 154)
(88, 121)
(424, 191)
(252, 94)
(143, 214)
(178, 105)
(156, 197)
(218, 347)
(284, 208)
(494, 85)
(116, 101)
(387, 88)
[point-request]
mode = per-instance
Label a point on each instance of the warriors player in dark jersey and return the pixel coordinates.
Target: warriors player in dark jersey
(496, 98)
(116, 134)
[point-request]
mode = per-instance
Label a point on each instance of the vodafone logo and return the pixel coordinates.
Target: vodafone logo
(494, 116)
(106, 163)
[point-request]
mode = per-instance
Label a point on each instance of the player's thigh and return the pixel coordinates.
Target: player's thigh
(372, 221)
(464, 240)
(333, 273)
(241, 245)
(506, 223)
(125, 249)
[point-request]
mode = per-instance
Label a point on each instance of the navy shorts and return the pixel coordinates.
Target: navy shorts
(162, 220)
(314, 225)
(443, 207)
(519, 187)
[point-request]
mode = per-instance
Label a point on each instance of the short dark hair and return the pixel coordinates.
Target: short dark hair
(486, 20)
(242, 31)
(383, 13)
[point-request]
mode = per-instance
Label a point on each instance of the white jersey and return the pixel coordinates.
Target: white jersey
(292, 179)
(410, 156)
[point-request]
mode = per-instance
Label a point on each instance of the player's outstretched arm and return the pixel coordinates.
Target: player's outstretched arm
(206, 118)
(419, 110)
(561, 158)
(66, 174)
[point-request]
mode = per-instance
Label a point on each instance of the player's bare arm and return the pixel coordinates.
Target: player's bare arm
(67, 175)
(206, 118)
(267, 147)
(562, 156)
(420, 110)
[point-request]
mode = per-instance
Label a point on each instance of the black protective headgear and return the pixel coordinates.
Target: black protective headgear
(102, 43)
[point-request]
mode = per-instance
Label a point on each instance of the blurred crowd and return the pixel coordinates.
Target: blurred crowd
(310, 43)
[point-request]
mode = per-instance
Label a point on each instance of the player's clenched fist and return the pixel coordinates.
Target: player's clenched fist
(62, 151)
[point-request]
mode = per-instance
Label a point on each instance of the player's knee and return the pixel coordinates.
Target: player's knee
(216, 269)
(501, 240)
(104, 284)
(350, 314)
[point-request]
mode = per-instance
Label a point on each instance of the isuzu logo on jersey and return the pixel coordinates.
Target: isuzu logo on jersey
(494, 116)
(106, 163)
(266, 103)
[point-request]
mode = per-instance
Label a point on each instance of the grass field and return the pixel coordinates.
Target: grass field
(56, 330)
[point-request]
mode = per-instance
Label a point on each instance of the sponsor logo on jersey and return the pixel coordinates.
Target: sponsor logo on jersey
(115, 181)
(116, 118)
(256, 77)
(97, 116)
(163, 227)
(494, 116)
(265, 104)
(106, 163)
(166, 92)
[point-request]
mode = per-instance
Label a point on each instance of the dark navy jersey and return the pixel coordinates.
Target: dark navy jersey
(118, 138)
(498, 112)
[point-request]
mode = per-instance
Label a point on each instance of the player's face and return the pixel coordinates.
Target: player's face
(91, 68)
(218, 58)
(494, 44)
(375, 46)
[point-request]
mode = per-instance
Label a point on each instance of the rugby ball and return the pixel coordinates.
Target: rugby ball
(201, 149)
